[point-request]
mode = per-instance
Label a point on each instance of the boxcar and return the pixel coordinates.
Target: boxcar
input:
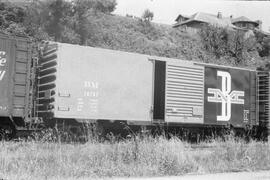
(86, 83)
(15, 81)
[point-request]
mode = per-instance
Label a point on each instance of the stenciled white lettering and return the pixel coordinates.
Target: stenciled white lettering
(3, 108)
(246, 112)
(3, 61)
(89, 84)
(91, 94)
(2, 73)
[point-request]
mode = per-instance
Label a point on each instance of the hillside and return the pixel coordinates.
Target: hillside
(92, 23)
(133, 35)
(127, 34)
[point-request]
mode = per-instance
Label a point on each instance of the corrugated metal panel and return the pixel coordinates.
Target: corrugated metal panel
(184, 93)
(46, 81)
(253, 99)
(263, 99)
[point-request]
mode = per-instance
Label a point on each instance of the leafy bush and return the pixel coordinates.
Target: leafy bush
(11, 19)
(147, 15)
(263, 44)
(227, 42)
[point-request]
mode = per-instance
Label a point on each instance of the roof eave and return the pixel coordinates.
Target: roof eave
(246, 22)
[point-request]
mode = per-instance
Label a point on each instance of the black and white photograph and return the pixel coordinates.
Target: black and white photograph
(134, 89)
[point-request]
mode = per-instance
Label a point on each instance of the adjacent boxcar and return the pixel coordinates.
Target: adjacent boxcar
(15, 75)
(77, 82)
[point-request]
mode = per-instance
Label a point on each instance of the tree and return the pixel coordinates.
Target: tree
(104, 6)
(215, 39)
(37, 14)
(58, 10)
(227, 42)
(82, 9)
(147, 15)
(263, 44)
(11, 18)
(47, 19)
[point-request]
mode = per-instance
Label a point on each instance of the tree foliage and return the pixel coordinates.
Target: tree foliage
(80, 18)
(263, 44)
(11, 18)
(227, 42)
(147, 15)
(58, 20)
(104, 6)
(58, 10)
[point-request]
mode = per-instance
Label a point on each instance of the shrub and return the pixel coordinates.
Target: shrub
(227, 42)
(147, 15)
(263, 45)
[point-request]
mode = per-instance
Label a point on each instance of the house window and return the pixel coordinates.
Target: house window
(185, 28)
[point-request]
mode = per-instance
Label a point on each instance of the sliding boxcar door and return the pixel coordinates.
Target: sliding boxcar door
(184, 93)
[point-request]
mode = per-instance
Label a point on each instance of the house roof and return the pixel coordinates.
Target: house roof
(244, 19)
(208, 18)
(182, 15)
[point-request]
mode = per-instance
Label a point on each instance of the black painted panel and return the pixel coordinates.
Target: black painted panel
(159, 90)
(235, 91)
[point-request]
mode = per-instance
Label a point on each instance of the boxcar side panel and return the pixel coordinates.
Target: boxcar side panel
(95, 83)
(15, 64)
(6, 61)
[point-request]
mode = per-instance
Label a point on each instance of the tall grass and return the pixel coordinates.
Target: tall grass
(134, 157)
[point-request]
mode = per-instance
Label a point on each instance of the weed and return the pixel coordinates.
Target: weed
(137, 156)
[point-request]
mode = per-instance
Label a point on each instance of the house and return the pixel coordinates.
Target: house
(196, 21)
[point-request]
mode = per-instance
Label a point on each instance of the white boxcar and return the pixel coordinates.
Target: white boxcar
(90, 83)
(78, 82)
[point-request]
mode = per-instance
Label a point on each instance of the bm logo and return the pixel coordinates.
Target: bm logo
(225, 96)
